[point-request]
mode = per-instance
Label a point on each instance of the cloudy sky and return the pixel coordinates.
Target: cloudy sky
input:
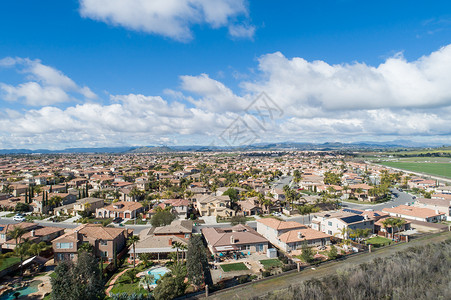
(92, 73)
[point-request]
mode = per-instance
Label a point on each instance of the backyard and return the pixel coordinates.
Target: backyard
(378, 241)
(268, 263)
(234, 267)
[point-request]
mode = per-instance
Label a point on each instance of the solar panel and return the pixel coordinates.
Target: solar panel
(352, 219)
(357, 212)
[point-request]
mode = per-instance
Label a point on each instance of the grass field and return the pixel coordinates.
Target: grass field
(379, 241)
(7, 262)
(438, 169)
(234, 267)
(268, 263)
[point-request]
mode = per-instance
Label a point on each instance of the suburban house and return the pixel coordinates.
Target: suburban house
(121, 209)
(289, 235)
(442, 204)
(294, 239)
(271, 228)
(210, 205)
(106, 241)
(164, 239)
(86, 204)
(234, 239)
(362, 192)
(416, 213)
(335, 223)
(250, 207)
(34, 233)
(420, 183)
(180, 206)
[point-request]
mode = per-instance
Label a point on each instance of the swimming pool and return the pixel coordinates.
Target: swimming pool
(32, 288)
(157, 273)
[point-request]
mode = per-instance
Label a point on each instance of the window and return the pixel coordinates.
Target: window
(105, 253)
(329, 223)
(187, 235)
(3, 236)
(103, 242)
(64, 245)
(329, 232)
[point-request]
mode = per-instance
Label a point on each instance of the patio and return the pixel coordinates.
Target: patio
(251, 261)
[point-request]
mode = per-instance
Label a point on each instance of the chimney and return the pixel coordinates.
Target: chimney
(32, 233)
(232, 240)
(170, 242)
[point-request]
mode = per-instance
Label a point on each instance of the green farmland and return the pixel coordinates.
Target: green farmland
(438, 169)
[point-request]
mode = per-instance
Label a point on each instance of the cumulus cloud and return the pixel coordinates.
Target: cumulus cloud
(301, 85)
(215, 96)
(319, 101)
(47, 85)
(170, 18)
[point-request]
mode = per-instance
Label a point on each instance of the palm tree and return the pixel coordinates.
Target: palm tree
(132, 242)
(147, 280)
(398, 223)
(17, 233)
(22, 250)
(386, 223)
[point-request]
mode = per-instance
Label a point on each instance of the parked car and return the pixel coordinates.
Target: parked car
(18, 218)
(117, 220)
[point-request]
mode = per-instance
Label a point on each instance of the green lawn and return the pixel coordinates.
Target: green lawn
(122, 285)
(9, 261)
(439, 169)
(138, 222)
(274, 262)
(234, 267)
(378, 241)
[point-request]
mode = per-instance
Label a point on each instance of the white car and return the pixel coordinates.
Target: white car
(19, 218)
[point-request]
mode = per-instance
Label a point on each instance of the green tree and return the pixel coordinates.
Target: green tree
(24, 207)
(197, 262)
(162, 218)
(147, 281)
(169, 287)
(307, 253)
(235, 220)
(333, 253)
(132, 240)
(77, 281)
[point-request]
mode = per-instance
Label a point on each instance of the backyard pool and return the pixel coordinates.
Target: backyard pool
(157, 273)
(32, 288)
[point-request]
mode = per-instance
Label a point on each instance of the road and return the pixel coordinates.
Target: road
(401, 199)
(261, 288)
(284, 180)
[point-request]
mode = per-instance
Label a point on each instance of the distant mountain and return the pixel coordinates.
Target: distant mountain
(282, 146)
(146, 149)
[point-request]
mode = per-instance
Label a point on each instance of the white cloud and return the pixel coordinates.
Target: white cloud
(345, 102)
(215, 96)
(298, 84)
(170, 18)
(242, 31)
(34, 94)
(47, 85)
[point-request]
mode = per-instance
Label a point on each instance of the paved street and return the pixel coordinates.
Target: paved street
(402, 198)
(284, 180)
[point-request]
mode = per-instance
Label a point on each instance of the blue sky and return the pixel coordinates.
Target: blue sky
(111, 72)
